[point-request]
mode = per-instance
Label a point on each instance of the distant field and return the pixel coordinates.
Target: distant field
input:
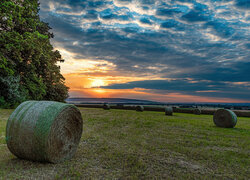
(120, 144)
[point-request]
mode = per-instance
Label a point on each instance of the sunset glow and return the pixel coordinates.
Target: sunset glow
(97, 83)
(168, 51)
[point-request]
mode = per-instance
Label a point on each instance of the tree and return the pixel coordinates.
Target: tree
(27, 55)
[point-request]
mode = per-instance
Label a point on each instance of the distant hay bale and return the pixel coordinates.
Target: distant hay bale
(225, 118)
(106, 107)
(197, 111)
(44, 131)
(169, 111)
(139, 108)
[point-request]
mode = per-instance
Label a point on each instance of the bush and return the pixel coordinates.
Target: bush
(11, 95)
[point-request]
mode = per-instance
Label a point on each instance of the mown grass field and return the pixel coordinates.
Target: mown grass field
(119, 144)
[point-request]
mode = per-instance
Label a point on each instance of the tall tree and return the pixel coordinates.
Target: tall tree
(27, 56)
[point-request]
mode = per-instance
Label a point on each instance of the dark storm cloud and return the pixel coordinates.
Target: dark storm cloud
(167, 12)
(199, 13)
(170, 23)
(205, 41)
(243, 4)
(145, 21)
(221, 28)
(208, 89)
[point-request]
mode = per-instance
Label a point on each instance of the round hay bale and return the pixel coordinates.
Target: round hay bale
(106, 107)
(197, 111)
(44, 131)
(139, 108)
(169, 111)
(225, 118)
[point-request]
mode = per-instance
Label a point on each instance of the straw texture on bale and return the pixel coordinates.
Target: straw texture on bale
(139, 108)
(169, 111)
(44, 131)
(106, 107)
(225, 118)
(197, 111)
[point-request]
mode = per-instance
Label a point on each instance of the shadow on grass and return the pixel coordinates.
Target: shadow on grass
(231, 129)
(16, 164)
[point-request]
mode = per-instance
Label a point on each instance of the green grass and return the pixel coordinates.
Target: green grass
(119, 144)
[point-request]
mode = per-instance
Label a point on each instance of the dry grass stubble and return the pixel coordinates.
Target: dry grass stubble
(131, 145)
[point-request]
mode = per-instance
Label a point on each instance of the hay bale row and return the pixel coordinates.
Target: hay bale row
(129, 107)
(90, 105)
(184, 110)
(242, 113)
(154, 108)
(48, 131)
(44, 131)
(117, 106)
(208, 111)
(239, 113)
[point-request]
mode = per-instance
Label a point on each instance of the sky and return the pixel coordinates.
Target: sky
(161, 50)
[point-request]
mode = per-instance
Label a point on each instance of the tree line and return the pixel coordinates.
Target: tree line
(28, 62)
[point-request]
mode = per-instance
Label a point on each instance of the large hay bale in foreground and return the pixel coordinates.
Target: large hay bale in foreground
(225, 118)
(169, 111)
(197, 111)
(106, 107)
(139, 108)
(44, 131)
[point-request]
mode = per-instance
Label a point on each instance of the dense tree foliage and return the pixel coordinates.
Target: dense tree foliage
(28, 63)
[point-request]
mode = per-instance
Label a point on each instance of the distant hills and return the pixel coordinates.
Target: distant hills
(147, 102)
(110, 101)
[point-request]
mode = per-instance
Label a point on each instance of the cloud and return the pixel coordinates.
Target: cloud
(145, 21)
(199, 13)
(189, 87)
(205, 40)
(243, 4)
(170, 23)
(167, 12)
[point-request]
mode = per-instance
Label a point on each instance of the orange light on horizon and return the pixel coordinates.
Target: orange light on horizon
(89, 83)
(82, 80)
(145, 95)
(99, 90)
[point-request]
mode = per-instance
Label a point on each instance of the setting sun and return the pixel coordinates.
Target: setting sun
(97, 83)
